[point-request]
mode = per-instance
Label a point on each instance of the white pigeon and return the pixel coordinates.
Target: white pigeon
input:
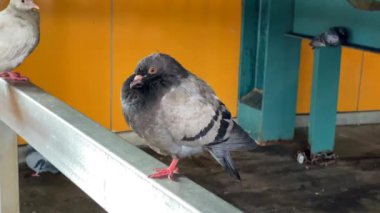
(19, 36)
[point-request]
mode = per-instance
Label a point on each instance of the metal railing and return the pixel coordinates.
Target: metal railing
(106, 167)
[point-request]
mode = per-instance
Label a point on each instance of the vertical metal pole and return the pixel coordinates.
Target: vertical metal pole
(9, 189)
(324, 99)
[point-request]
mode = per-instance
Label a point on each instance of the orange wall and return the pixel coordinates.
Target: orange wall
(351, 68)
(370, 87)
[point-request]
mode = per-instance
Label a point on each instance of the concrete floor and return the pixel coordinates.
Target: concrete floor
(272, 181)
(52, 194)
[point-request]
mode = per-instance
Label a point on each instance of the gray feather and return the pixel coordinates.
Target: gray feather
(335, 36)
(238, 140)
(38, 163)
(223, 157)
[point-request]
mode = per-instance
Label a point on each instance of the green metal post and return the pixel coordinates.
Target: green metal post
(280, 72)
(248, 46)
(324, 99)
(275, 73)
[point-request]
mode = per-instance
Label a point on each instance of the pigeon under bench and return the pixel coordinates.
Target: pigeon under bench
(110, 170)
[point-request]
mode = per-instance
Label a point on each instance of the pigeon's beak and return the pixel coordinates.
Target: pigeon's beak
(137, 82)
(34, 5)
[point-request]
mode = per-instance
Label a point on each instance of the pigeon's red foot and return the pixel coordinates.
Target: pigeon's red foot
(168, 172)
(13, 76)
(35, 174)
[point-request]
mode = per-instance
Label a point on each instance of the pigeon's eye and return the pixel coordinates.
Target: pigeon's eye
(152, 70)
(23, 1)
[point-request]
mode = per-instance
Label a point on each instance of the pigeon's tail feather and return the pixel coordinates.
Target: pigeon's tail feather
(223, 157)
(239, 140)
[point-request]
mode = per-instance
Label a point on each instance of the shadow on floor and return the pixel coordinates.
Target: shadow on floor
(52, 194)
(272, 181)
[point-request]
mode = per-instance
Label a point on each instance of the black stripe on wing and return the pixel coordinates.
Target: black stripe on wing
(205, 130)
(224, 123)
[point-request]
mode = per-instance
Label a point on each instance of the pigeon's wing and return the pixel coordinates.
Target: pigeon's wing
(8, 37)
(193, 114)
(15, 39)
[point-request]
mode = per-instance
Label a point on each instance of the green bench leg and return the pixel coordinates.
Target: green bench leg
(324, 99)
(269, 63)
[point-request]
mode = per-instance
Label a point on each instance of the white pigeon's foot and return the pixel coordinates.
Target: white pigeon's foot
(3, 74)
(13, 76)
(168, 172)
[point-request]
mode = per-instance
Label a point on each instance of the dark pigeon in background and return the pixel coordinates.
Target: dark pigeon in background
(335, 36)
(179, 115)
(19, 36)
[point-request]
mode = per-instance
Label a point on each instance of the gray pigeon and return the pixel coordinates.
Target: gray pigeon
(179, 115)
(334, 37)
(36, 162)
(19, 36)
